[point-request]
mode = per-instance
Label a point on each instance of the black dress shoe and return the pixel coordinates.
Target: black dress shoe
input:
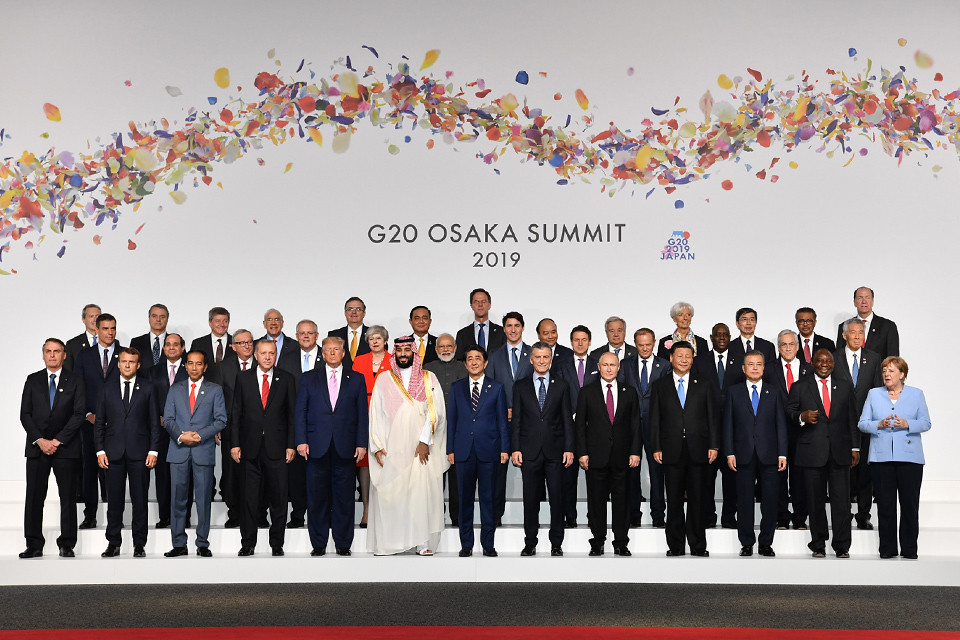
(276, 552)
(318, 551)
(766, 551)
(865, 525)
(298, 524)
(909, 556)
(112, 551)
(819, 554)
(245, 551)
(454, 522)
(710, 524)
(30, 552)
(176, 552)
(659, 523)
(887, 556)
(499, 522)
(701, 554)
(343, 551)
(66, 553)
(139, 552)
(729, 524)
(363, 525)
(783, 527)
(204, 552)
(556, 551)
(490, 553)
(231, 523)
(621, 551)
(843, 554)
(634, 522)
(746, 551)
(571, 523)
(673, 554)
(163, 523)
(88, 523)
(528, 551)
(466, 553)
(596, 552)
(800, 526)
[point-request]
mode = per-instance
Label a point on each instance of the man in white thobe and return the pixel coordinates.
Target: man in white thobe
(407, 441)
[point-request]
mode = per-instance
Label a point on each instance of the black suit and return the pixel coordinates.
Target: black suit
(792, 487)
(493, 336)
(144, 344)
(560, 353)
(126, 433)
(61, 422)
(344, 334)
(664, 353)
(429, 348)
(629, 352)
(566, 368)
(735, 352)
(159, 376)
(225, 374)
(75, 345)
(609, 447)
(89, 366)
(869, 376)
(542, 436)
(630, 374)
(291, 348)
(883, 337)
(824, 452)
(205, 344)
(818, 342)
(705, 366)
(263, 433)
(684, 435)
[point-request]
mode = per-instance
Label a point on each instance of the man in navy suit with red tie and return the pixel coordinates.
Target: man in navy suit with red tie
(478, 442)
(755, 440)
(127, 434)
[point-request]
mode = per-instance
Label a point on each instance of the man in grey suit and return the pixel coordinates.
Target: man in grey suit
(194, 414)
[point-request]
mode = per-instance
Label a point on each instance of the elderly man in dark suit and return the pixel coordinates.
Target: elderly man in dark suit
(150, 344)
(86, 339)
(823, 407)
(880, 334)
(51, 412)
(755, 441)
(127, 436)
(542, 441)
(685, 437)
(286, 346)
(608, 445)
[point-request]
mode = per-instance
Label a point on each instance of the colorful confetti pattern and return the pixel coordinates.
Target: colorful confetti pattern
(52, 192)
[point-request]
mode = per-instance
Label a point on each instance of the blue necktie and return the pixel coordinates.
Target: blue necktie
(53, 388)
(480, 339)
(156, 349)
(856, 370)
(643, 378)
(720, 369)
(617, 351)
(681, 394)
(514, 362)
(749, 348)
(542, 394)
(306, 362)
(755, 399)
(94, 341)
(475, 396)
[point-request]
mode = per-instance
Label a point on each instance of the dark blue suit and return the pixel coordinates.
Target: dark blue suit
(127, 433)
(757, 441)
(476, 439)
(89, 366)
(566, 368)
(333, 435)
(500, 368)
(630, 374)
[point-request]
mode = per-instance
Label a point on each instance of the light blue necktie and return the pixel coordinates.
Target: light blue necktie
(856, 369)
(306, 362)
(681, 394)
(53, 388)
(514, 362)
(755, 399)
(542, 395)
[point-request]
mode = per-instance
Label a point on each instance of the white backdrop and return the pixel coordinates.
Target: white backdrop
(297, 240)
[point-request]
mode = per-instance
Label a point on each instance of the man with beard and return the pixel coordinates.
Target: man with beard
(407, 440)
(447, 369)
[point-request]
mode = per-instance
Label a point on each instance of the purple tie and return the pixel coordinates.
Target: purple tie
(580, 372)
(332, 387)
(173, 374)
(610, 402)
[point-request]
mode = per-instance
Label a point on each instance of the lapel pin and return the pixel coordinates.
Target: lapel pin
(202, 392)
(60, 390)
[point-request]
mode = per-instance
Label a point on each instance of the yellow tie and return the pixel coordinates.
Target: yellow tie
(353, 346)
(421, 350)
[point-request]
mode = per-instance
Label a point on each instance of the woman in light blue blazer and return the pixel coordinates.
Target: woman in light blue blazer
(895, 415)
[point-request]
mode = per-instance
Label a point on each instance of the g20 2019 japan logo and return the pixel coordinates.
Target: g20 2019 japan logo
(678, 247)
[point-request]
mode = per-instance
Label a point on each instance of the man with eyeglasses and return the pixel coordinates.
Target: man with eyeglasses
(354, 334)
(810, 342)
(273, 323)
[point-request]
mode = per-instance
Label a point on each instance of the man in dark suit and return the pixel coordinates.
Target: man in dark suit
(150, 344)
(755, 440)
(478, 442)
(51, 412)
(542, 441)
(481, 331)
(424, 342)
(608, 445)
(547, 332)
(640, 372)
(354, 334)
(96, 366)
(746, 341)
(86, 339)
(273, 323)
(162, 377)
(577, 371)
(783, 373)
(616, 329)
(193, 415)
(332, 430)
(261, 442)
(810, 342)
(880, 334)
(216, 344)
(127, 436)
(685, 437)
(509, 363)
(862, 370)
(823, 408)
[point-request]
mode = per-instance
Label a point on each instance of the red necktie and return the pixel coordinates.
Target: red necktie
(806, 350)
(193, 396)
(244, 365)
(789, 377)
(826, 398)
(610, 402)
(264, 391)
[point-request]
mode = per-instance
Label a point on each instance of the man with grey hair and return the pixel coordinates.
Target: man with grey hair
(448, 370)
(616, 330)
(880, 334)
(273, 323)
(86, 339)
